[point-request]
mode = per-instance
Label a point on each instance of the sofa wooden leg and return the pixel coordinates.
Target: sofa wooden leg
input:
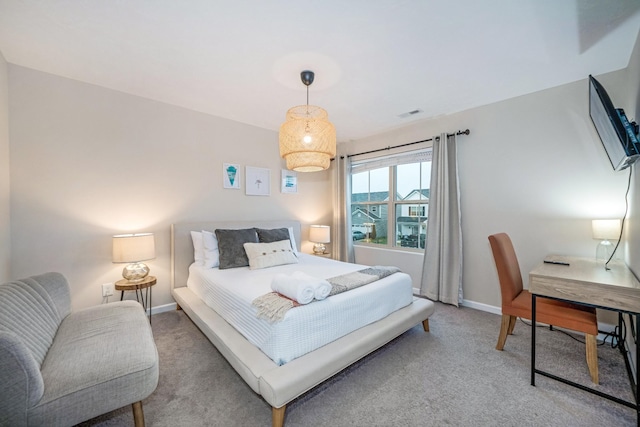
(178, 308)
(592, 357)
(504, 331)
(138, 415)
(277, 416)
(425, 325)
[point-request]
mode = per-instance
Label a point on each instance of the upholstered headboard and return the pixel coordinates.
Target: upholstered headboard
(182, 245)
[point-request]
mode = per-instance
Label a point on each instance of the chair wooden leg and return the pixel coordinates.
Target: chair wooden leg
(138, 415)
(277, 416)
(425, 325)
(512, 324)
(504, 329)
(592, 357)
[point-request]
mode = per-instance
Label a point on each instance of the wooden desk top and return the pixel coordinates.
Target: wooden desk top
(585, 280)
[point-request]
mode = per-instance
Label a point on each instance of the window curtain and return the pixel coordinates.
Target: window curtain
(442, 264)
(343, 245)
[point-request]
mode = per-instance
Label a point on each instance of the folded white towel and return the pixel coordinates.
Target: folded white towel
(321, 287)
(294, 288)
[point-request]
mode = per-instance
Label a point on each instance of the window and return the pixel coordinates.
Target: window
(392, 184)
(416, 211)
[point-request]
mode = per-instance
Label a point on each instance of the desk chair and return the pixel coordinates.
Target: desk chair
(516, 302)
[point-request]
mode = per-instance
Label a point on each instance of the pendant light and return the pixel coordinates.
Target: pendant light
(307, 137)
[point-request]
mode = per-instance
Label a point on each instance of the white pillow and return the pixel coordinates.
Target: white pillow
(262, 255)
(198, 247)
(211, 251)
(292, 237)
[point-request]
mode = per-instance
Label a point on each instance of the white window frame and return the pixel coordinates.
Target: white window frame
(391, 161)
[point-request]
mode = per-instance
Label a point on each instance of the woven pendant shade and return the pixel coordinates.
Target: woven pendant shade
(311, 122)
(307, 137)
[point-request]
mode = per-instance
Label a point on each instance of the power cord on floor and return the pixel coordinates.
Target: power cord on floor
(615, 342)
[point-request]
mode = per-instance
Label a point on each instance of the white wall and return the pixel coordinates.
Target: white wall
(628, 91)
(5, 224)
(89, 162)
(533, 167)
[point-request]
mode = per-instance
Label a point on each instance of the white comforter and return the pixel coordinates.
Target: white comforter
(305, 328)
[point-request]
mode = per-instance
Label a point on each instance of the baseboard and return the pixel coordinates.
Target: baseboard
(482, 307)
(162, 308)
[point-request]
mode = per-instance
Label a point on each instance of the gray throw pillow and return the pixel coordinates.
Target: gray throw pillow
(230, 244)
(272, 235)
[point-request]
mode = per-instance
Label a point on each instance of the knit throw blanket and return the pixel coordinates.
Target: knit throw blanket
(273, 306)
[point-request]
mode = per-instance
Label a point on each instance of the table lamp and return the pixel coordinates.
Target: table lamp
(605, 230)
(134, 248)
(320, 234)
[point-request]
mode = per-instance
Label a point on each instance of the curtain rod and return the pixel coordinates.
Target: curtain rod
(460, 132)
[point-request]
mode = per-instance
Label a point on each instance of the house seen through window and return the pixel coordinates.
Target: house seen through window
(389, 200)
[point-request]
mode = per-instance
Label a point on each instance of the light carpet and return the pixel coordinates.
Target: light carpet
(450, 376)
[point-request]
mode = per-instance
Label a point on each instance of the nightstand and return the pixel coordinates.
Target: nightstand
(324, 255)
(148, 282)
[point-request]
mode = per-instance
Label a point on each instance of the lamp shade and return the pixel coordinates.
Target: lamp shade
(307, 139)
(606, 229)
(320, 234)
(133, 247)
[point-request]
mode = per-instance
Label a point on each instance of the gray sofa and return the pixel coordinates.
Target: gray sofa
(58, 367)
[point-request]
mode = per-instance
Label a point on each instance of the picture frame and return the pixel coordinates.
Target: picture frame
(231, 176)
(258, 181)
(289, 181)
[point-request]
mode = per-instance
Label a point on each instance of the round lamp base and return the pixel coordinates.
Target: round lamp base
(135, 272)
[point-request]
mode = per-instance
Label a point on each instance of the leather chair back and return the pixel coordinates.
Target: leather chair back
(508, 268)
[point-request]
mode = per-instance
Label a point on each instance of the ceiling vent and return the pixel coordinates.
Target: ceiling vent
(409, 114)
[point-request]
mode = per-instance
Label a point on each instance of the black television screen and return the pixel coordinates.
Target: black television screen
(618, 136)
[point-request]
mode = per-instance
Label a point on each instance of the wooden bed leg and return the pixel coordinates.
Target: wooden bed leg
(277, 416)
(425, 325)
(178, 308)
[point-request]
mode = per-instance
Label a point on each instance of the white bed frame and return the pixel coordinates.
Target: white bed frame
(279, 385)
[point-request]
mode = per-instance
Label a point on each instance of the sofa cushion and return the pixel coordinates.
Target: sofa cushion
(102, 358)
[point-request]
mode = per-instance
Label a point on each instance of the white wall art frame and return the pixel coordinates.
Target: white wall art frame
(231, 176)
(258, 181)
(289, 181)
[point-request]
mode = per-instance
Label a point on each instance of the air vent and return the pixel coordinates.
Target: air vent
(409, 114)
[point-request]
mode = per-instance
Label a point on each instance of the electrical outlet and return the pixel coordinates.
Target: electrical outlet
(107, 289)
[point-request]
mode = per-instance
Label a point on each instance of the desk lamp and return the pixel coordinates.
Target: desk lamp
(605, 230)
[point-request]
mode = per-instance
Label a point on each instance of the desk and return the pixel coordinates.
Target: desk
(587, 282)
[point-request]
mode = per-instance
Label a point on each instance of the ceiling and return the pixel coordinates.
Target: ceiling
(374, 60)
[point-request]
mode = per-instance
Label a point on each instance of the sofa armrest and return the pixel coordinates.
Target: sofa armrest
(21, 384)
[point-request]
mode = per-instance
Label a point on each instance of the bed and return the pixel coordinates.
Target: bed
(279, 383)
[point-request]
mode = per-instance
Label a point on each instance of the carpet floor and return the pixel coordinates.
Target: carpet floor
(452, 375)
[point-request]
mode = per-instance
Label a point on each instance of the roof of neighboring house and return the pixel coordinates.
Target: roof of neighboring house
(376, 196)
(365, 213)
(415, 193)
(383, 196)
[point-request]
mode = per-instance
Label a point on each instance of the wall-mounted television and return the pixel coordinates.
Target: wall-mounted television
(619, 136)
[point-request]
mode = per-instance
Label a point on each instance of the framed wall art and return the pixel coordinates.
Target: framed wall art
(258, 181)
(289, 181)
(231, 175)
